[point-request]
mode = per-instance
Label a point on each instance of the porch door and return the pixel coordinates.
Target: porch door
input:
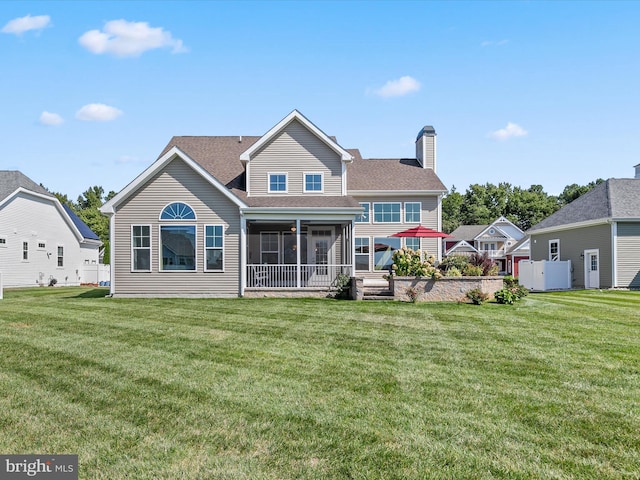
(321, 256)
(591, 269)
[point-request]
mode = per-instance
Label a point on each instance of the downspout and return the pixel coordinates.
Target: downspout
(112, 257)
(614, 254)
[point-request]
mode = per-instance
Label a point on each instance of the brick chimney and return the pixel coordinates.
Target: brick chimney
(426, 147)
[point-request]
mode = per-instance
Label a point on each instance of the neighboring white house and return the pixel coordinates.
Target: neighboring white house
(503, 241)
(40, 239)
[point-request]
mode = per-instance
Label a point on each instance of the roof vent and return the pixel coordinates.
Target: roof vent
(240, 139)
(637, 167)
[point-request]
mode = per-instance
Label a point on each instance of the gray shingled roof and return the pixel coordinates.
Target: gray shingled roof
(220, 156)
(11, 180)
(391, 174)
(467, 232)
(614, 199)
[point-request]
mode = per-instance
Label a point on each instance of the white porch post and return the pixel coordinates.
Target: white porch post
(298, 255)
(353, 248)
(243, 254)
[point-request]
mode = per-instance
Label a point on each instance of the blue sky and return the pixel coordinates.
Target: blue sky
(522, 92)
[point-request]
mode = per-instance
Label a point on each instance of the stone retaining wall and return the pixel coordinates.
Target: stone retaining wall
(446, 289)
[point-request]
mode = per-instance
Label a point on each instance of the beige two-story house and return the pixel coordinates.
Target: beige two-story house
(282, 213)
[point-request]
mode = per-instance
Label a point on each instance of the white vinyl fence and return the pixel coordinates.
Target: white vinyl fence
(95, 274)
(544, 275)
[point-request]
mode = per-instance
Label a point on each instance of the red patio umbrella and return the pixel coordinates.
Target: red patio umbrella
(422, 232)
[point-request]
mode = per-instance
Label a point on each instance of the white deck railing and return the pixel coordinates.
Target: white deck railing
(294, 276)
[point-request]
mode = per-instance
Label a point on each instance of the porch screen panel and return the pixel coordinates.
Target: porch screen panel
(269, 248)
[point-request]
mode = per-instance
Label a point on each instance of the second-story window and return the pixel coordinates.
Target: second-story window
(277, 183)
(313, 182)
(412, 211)
(386, 213)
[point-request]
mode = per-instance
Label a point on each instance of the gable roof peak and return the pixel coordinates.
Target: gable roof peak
(282, 124)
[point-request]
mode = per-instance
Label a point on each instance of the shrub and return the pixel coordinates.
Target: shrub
(409, 263)
(412, 293)
(483, 261)
(342, 284)
(452, 272)
(477, 296)
(458, 262)
(505, 296)
(472, 271)
(512, 284)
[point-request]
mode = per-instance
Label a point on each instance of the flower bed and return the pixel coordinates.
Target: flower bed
(445, 289)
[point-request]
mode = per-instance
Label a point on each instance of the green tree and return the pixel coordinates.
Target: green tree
(573, 191)
(452, 210)
(527, 207)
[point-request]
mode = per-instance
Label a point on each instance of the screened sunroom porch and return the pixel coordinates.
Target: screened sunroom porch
(298, 253)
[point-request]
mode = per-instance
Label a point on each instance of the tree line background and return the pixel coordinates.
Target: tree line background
(479, 205)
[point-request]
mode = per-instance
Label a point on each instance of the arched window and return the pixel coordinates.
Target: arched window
(177, 211)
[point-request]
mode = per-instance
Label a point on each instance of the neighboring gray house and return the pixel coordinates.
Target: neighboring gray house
(281, 214)
(40, 239)
(599, 232)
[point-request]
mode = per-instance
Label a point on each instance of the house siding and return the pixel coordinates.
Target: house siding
(573, 243)
(30, 219)
(628, 255)
(295, 151)
(177, 182)
(371, 230)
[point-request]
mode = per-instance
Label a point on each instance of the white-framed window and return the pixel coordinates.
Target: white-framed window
(413, 243)
(177, 211)
(388, 212)
(3, 242)
(269, 248)
(213, 248)
(362, 253)
(314, 182)
(60, 256)
(412, 212)
(25, 251)
(383, 251)
(140, 248)
(42, 245)
(554, 250)
(277, 183)
(364, 216)
(177, 248)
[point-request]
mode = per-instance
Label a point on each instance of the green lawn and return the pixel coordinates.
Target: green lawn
(323, 389)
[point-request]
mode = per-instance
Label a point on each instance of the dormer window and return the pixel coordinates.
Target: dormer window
(277, 183)
(313, 182)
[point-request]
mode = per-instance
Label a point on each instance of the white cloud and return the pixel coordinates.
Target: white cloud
(129, 39)
(511, 130)
(397, 88)
(98, 112)
(494, 43)
(50, 119)
(20, 25)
